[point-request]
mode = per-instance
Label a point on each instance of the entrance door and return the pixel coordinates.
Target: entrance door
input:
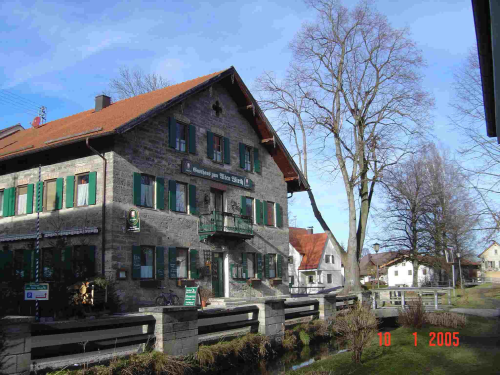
(218, 275)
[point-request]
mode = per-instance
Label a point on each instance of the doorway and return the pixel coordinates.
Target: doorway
(218, 275)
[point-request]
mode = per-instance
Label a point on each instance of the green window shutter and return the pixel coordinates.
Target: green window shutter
(6, 261)
(279, 216)
(227, 151)
(171, 194)
(28, 265)
(244, 265)
(264, 212)
(193, 263)
(160, 193)
(242, 155)
(160, 263)
(90, 260)
(256, 160)
(172, 130)
(12, 200)
(192, 139)
(29, 201)
(59, 193)
(136, 262)
(92, 187)
(6, 206)
(137, 189)
(267, 265)
(259, 266)
(70, 191)
(279, 264)
(210, 145)
(258, 209)
(192, 200)
(243, 210)
(39, 196)
(172, 264)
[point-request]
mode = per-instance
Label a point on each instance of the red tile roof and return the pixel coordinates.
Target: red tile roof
(309, 245)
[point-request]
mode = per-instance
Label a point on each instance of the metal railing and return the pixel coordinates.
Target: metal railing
(305, 289)
(226, 222)
(400, 295)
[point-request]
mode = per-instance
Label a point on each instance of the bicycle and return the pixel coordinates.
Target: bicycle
(167, 299)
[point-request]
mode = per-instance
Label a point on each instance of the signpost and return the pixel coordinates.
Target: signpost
(197, 170)
(190, 298)
(36, 292)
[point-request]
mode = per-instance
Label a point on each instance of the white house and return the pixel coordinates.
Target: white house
(400, 273)
(314, 264)
(490, 258)
(368, 266)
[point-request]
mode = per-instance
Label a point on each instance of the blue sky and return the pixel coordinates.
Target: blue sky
(62, 54)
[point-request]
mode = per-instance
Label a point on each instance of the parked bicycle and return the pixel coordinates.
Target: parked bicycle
(167, 299)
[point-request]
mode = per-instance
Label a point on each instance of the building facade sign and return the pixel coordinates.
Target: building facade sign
(193, 169)
(133, 221)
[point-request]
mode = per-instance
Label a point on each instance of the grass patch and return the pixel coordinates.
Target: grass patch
(485, 296)
(477, 353)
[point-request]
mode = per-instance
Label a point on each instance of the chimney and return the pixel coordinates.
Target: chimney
(310, 230)
(101, 102)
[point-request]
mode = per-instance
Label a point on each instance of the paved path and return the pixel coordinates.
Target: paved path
(485, 313)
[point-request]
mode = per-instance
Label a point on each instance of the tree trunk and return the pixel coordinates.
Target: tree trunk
(351, 270)
(415, 273)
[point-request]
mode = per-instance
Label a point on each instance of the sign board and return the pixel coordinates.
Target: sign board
(190, 298)
(197, 170)
(36, 292)
(133, 221)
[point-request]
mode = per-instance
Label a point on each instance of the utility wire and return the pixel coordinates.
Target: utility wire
(20, 97)
(19, 103)
(18, 107)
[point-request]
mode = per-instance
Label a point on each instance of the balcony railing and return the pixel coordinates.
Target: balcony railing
(225, 224)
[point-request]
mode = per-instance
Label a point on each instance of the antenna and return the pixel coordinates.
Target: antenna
(42, 113)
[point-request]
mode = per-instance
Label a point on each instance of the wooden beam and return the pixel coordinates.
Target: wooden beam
(291, 178)
(246, 107)
(267, 140)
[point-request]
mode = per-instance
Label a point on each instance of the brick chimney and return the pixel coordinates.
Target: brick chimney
(310, 230)
(101, 102)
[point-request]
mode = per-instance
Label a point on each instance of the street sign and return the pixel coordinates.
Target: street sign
(36, 292)
(190, 297)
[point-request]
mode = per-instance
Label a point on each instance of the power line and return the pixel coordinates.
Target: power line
(15, 100)
(19, 107)
(21, 97)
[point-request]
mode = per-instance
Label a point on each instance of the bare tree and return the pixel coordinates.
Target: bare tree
(363, 94)
(133, 82)
(481, 153)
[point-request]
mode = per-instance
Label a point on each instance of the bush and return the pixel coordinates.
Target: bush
(356, 328)
(289, 341)
(446, 319)
(304, 338)
(414, 315)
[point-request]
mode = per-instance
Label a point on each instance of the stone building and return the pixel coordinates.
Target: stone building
(181, 186)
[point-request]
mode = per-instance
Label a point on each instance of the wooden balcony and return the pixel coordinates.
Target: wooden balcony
(225, 224)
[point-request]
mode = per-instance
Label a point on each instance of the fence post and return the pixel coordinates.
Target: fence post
(436, 299)
(16, 356)
(374, 300)
(176, 328)
(403, 300)
(327, 306)
(272, 319)
(449, 297)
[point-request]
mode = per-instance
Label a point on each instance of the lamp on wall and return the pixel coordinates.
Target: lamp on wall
(376, 247)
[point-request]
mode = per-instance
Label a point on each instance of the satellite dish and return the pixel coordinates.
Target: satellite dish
(36, 122)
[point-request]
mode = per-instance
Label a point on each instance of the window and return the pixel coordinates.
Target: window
(251, 265)
(50, 196)
(311, 279)
(270, 213)
(272, 266)
(83, 261)
(181, 262)
(180, 197)
(216, 201)
(395, 273)
(496, 252)
(329, 278)
(403, 264)
(48, 264)
(248, 159)
(409, 272)
(292, 280)
(22, 198)
(147, 190)
(424, 271)
(327, 258)
(147, 257)
(180, 137)
(218, 148)
(22, 264)
(290, 260)
(1, 203)
(82, 189)
(247, 206)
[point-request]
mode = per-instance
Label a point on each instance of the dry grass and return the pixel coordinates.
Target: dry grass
(289, 341)
(446, 319)
(414, 315)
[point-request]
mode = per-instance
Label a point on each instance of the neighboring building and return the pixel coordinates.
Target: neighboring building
(368, 266)
(314, 263)
(197, 162)
(490, 258)
(400, 273)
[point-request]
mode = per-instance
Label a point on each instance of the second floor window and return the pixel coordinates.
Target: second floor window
(272, 266)
(147, 190)
(82, 189)
(22, 199)
(270, 213)
(251, 265)
(218, 149)
(395, 273)
(327, 258)
(409, 272)
(180, 137)
(180, 197)
(248, 159)
(50, 195)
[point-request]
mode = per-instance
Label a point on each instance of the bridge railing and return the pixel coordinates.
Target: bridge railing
(401, 294)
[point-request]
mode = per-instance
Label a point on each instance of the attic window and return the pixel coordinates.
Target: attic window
(217, 108)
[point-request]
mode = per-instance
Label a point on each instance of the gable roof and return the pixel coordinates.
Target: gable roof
(489, 247)
(10, 130)
(124, 115)
(371, 260)
(311, 246)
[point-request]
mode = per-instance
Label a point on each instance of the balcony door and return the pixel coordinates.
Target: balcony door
(217, 207)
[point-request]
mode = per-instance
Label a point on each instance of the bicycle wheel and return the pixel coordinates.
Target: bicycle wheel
(160, 301)
(175, 300)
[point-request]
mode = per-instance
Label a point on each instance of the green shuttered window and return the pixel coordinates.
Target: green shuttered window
(279, 216)
(192, 139)
(136, 262)
(227, 151)
(193, 263)
(242, 155)
(192, 200)
(160, 193)
(160, 263)
(256, 160)
(172, 186)
(70, 191)
(279, 265)
(137, 189)
(29, 200)
(267, 265)
(210, 145)
(172, 262)
(264, 213)
(59, 193)
(259, 266)
(244, 265)
(92, 187)
(172, 128)
(258, 213)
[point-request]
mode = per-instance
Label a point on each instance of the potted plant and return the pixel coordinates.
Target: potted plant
(205, 295)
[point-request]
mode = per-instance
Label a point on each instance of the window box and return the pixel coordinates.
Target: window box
(150, 284)
(275, 282)
(254, 282)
